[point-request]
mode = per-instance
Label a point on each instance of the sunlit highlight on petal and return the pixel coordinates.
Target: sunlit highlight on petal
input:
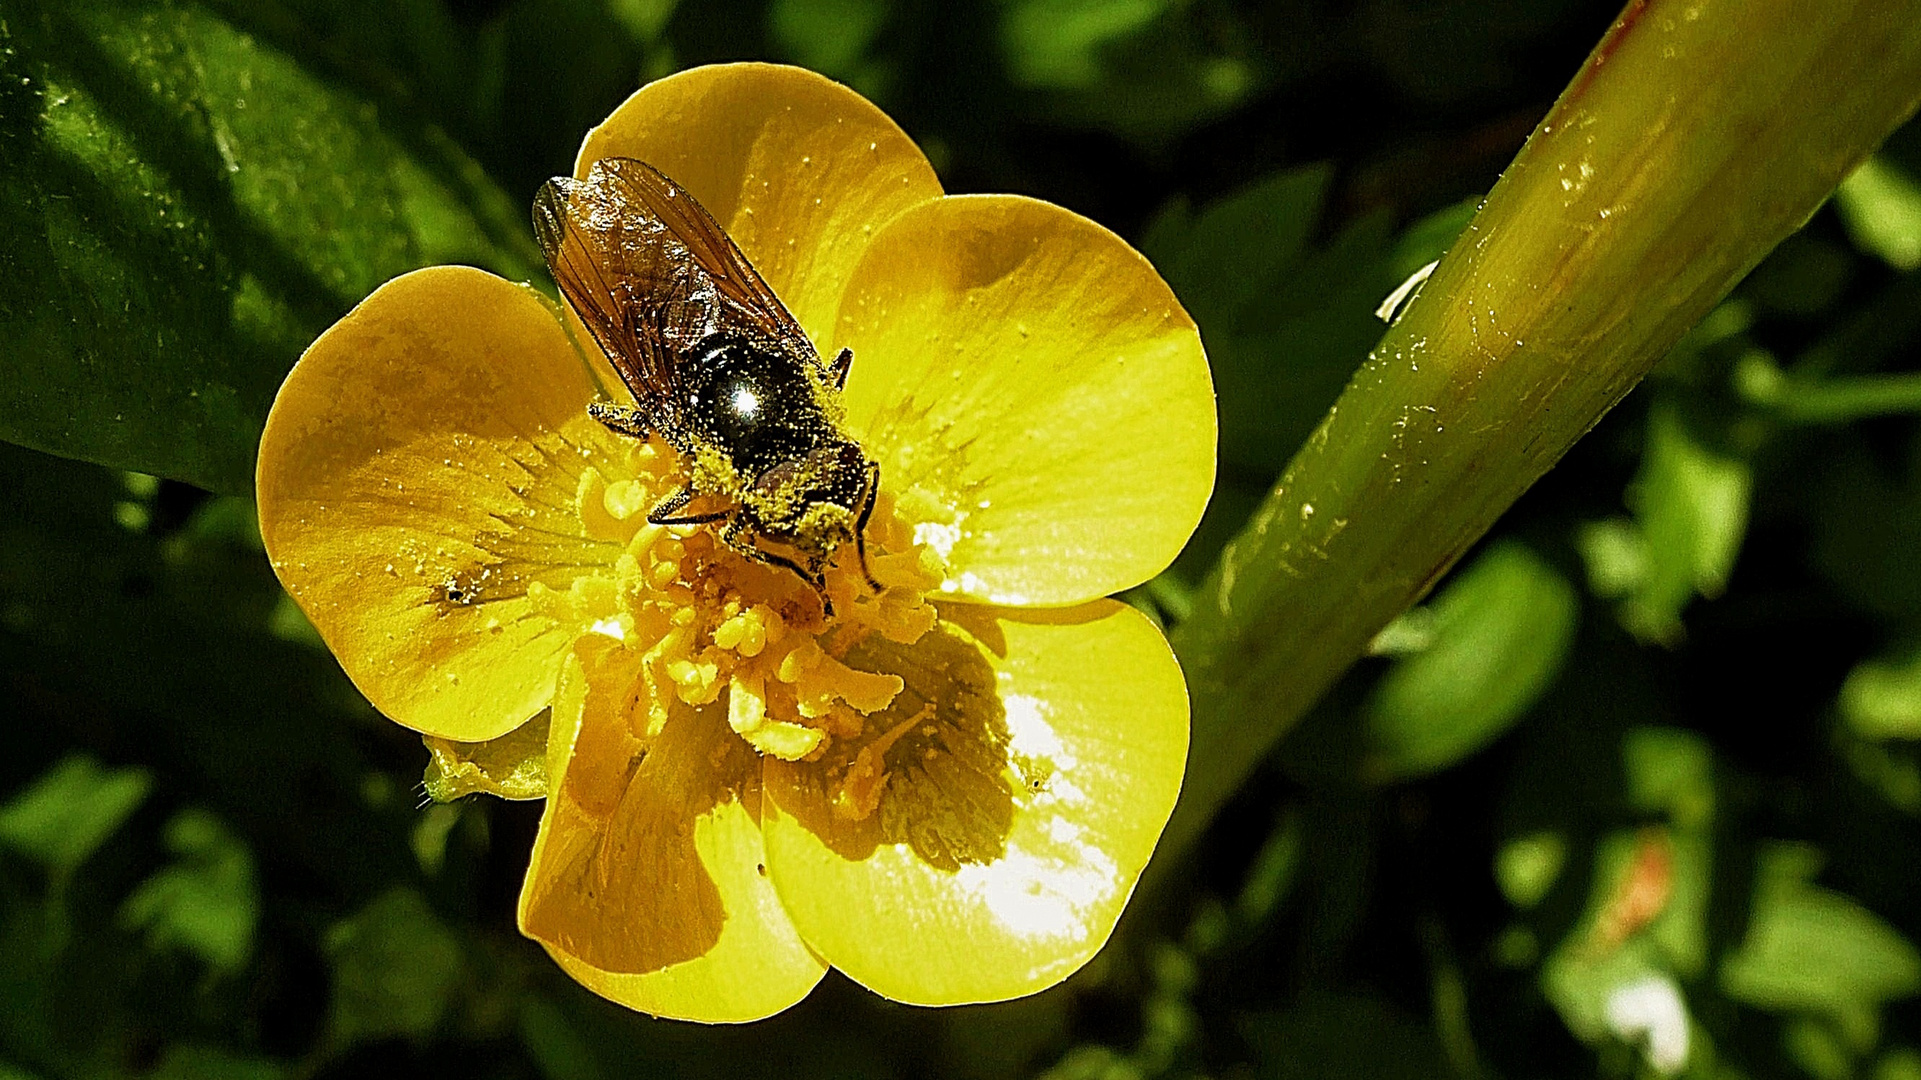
(1087, 794)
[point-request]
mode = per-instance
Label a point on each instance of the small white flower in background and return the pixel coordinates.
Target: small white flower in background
(1649, 1012)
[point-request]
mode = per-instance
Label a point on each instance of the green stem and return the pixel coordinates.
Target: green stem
(1698, 134)
(1836, 400)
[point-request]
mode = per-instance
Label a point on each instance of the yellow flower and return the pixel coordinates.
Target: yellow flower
(947, 788)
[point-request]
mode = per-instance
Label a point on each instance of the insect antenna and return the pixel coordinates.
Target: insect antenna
(860, 527)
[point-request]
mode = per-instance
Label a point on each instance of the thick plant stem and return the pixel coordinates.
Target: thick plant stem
(1698, 134)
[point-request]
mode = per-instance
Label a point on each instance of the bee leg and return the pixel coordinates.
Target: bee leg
(630, 422)
(840, 367)
(860, 527)
(664, 513)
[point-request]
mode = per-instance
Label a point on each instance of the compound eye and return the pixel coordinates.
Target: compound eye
(840, 474)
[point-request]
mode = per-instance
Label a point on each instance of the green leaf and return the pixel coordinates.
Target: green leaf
(73, 808)
(1881, 206)
(1691, 502)
(830, 36)
(1902, 1064)
(1647, 908)
(397, 969)
(1220, 259)
(207, 902)
(1429, 238)
(1501, 630)
(1810, 949)
(1818, 1049)
(1881, 698)
(212, 1063)
(645, 19)
(186, 209)
(1275, 870)
(1057, 43)
(170, 636)
(1803, 277)
(1616, 555)
(1669, 772)
(1887, 770)
(1528, 866)
(1146, 70)
(1867, 514)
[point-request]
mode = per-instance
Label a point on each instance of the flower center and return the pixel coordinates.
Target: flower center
(704, 622)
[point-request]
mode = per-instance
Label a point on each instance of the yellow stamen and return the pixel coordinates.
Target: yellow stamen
(788, 742)
(747, 632)
(696, 683)
(706, 621)
(746, 702)
(625, 498)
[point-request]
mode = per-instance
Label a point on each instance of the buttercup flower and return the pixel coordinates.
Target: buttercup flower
(947, 787)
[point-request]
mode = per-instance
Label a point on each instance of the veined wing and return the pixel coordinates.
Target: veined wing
(652, 274)
(710, 245)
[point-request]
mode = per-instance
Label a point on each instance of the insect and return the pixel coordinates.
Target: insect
(717, 366)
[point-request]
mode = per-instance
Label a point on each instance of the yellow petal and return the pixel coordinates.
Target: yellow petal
(799, 169)
(648, 882)
(416, 478)
(1035, 395)
(955, 889)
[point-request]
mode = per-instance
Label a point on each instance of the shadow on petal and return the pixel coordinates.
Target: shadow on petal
(1087, 734)
(930, 771)
(619, 880)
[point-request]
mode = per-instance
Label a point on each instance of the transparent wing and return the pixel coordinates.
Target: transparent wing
(652, 274)
(706, 241)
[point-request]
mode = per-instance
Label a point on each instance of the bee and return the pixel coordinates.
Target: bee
(717, 366)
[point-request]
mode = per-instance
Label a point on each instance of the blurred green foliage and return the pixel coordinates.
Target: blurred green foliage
(206, 903)
(1644, 773)
(70, 811)
(1476, 660)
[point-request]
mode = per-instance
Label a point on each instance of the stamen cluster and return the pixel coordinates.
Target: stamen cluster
(698, 622)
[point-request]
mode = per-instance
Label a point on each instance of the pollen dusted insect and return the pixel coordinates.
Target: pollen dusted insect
(717, 366)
